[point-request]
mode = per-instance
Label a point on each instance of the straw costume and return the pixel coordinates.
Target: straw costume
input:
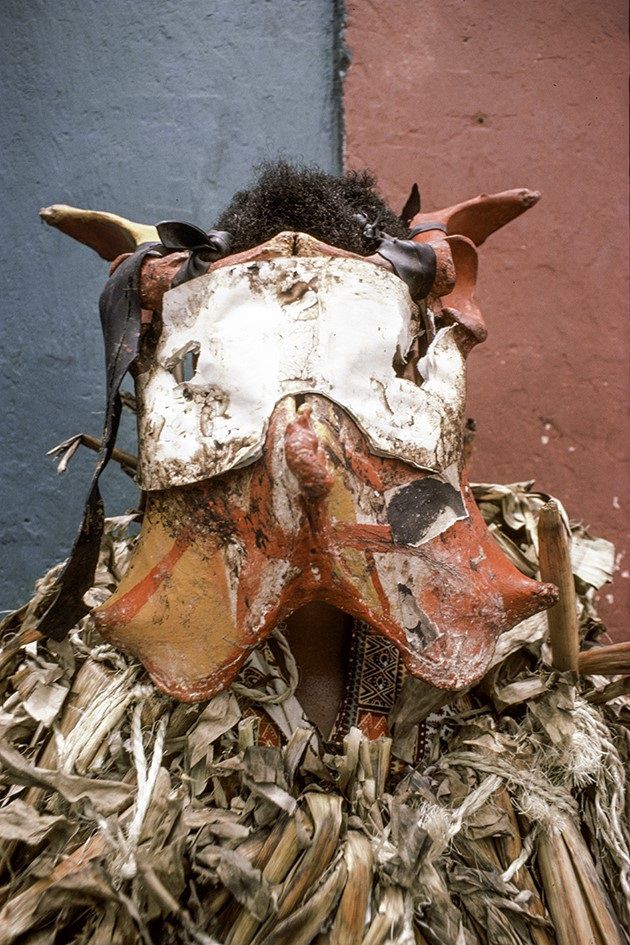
(455, 773)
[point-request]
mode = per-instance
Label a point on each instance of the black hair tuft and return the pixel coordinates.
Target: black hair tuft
(288, 196)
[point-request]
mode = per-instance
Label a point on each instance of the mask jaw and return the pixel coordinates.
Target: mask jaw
(222, 562)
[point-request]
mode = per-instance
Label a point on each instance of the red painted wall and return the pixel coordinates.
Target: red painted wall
(467, 96)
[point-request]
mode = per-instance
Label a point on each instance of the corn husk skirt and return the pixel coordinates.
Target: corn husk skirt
(127, 817)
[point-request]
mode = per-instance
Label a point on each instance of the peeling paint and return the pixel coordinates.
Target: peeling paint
(423, 509)
(293, 326)
(222, 562)
(297, 465)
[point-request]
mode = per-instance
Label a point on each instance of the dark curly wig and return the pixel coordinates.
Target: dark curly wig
(289, 196)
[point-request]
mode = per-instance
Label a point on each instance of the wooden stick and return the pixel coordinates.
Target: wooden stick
(564, 897)
(510, 848)
(69, 447)
(606, 660)
(119, 456)
(600, 910)
(555, 567)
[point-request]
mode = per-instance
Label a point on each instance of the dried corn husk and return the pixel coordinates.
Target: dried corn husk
(127, 818)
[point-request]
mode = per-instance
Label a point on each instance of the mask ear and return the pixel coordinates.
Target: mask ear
(478, 218)
(460, 303)
(412, 207)
(175, 235)
(106, 233)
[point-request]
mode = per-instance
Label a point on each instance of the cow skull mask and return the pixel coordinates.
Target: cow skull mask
(300, 421)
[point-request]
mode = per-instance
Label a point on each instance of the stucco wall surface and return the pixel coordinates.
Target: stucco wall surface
(151, 111)
(473, 96)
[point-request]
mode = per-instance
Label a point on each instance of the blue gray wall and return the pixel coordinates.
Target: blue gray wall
(149, 110)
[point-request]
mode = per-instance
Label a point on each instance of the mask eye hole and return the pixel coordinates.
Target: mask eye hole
(183, 366)
(406, 366)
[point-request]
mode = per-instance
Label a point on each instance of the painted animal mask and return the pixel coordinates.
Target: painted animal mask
(300, 418)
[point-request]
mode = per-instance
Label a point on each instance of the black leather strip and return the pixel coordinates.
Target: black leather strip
(205, 248)
(120, 310)
(414, 263)
(425, 227)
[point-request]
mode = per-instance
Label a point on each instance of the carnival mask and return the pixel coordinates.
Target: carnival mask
(300, 421)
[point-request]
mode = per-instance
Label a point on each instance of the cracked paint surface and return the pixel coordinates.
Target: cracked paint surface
(269, 328)
(330, 469)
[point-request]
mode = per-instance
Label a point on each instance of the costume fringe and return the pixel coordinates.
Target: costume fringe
(127, 817)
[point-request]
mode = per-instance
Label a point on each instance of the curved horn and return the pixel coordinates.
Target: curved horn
(479, 217)
(108, 234)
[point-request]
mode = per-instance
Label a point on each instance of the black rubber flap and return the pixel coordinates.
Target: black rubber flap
(120, 310)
